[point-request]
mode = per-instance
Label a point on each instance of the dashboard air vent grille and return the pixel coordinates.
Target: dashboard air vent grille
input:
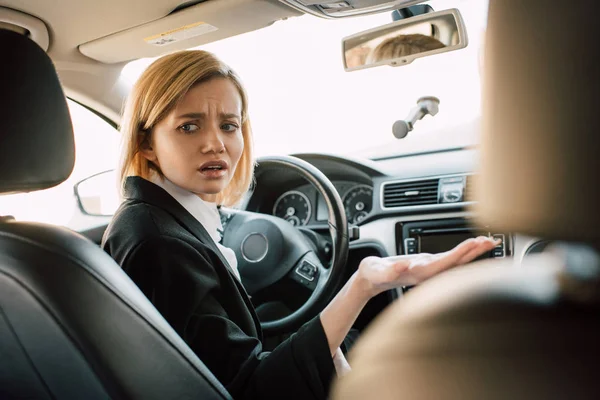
(414, 193)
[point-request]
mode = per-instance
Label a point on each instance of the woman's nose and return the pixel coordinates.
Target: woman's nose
(213, 141)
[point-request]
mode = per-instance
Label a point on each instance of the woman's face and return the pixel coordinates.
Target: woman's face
(199, 143)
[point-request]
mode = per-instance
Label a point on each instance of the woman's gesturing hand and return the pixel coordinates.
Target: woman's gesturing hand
(380, 274)
(376, 275)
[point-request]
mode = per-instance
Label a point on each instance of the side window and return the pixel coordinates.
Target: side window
(97, 150)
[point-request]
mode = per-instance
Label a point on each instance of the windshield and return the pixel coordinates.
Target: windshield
(302, 100)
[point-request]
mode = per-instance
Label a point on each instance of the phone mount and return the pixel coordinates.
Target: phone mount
(425, 105)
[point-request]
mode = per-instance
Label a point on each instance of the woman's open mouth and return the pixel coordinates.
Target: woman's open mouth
(214, 169)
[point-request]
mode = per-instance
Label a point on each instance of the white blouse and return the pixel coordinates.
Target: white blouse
(205, 212)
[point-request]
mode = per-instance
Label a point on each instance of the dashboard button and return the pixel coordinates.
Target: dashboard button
(411, 242)
(502, 238)
(498, 253)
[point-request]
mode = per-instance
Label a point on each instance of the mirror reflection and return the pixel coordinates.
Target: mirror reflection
(402, 41)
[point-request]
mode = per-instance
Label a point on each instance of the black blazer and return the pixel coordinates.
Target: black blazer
(174, 261)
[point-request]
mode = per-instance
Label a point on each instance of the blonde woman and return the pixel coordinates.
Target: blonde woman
(188, 148)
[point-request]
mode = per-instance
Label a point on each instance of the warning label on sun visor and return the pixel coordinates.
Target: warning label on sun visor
(182, 33)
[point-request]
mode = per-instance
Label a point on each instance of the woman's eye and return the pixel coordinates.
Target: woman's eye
(189, 128)
(229, 127)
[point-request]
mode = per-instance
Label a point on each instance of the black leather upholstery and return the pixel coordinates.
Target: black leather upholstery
(77, 327)
(36, 138)
(72, 324)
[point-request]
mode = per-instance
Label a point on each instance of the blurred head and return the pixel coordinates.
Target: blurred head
(186, 120)
(403, 45)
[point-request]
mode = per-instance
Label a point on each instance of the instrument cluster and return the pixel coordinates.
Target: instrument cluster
(303, 206)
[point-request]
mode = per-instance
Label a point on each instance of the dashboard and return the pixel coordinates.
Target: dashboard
(401, 205)
(419, 203)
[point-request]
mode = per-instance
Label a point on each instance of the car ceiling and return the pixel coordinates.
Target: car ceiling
(74, 22)
(94, 81)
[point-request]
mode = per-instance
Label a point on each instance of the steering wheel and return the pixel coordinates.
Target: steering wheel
(270, 251)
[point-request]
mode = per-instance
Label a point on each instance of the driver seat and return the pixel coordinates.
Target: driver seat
(72, 324)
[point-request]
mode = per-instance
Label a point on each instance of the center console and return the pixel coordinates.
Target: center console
(435, 236)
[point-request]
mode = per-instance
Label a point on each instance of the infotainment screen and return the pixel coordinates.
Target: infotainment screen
(438, 236)
(439, 243)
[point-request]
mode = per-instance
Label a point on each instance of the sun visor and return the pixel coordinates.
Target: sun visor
(540, 155)
(193, 26)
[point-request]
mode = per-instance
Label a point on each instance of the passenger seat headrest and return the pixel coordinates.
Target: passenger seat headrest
(540, 154)
(37, 150)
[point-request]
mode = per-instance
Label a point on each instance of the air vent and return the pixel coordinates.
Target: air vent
(413, 193)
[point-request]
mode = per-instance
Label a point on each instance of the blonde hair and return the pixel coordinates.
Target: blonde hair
(158, 90)
(404, 45)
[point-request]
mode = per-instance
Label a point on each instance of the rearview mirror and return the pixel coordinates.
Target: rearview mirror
(97, 195)
(400, 42)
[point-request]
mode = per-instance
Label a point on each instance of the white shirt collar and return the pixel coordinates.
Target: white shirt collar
(205, 212)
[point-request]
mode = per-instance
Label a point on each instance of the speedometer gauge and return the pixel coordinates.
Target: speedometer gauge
(358, 203)
(294, 207)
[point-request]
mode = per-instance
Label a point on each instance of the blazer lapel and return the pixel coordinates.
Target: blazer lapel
(140, 189)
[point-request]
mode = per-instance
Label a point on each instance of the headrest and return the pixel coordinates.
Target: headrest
(37, 150)
(540, 154)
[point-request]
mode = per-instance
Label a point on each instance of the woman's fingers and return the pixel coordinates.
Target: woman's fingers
(384, 273)
(424, 267)
(483, 245)
(451, 258)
